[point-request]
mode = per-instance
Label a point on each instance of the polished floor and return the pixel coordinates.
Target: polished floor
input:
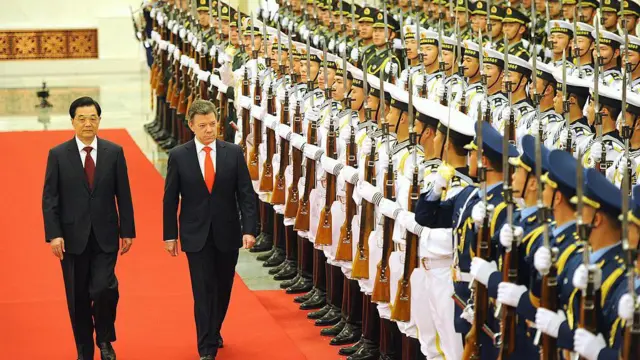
(125, 102)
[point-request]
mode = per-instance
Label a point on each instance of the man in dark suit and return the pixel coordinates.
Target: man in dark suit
(210, 180)
(86, 178)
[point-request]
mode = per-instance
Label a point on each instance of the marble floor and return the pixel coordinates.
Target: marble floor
(125, 102)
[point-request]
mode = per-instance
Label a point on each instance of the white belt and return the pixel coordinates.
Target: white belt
(429, 264)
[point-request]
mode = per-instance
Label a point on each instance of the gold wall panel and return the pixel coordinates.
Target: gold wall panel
(23, 101)
(49, 44)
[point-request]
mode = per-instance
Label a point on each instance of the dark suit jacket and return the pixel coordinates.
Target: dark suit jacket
(71, 209)
(200, 210)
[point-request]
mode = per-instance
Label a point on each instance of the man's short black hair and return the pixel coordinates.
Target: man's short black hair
(82, 102)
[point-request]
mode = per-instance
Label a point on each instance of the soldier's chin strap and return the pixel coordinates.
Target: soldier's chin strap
(522, 76)
(395, 127)
(497, 78)
(524, 186)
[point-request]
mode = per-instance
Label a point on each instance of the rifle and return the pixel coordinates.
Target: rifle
(291, 207)
(278, 195)
(510, 127)
(266, 181)
(344, 251)
(602, 164)
(257, 124)
(479, 298)
(483, 80)
(325, 225)
(367, 220)
(444, 101)
(463, 98)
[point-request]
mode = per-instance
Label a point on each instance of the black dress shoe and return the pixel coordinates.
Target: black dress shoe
(302, 298)
(332, 317)
(289, 271)
(106, 351)
(265, 245)
(318, 300)
(220, 342)
(350, 350)
(287, 283)
(315, 315)
(266, 255)
(349, 335)
(368, 351)
(334, 330)
(276, 259)
(278, 268)
(303, 285)
(85, 352)
(208, 357)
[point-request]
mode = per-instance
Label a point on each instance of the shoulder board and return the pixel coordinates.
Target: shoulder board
(463, 178)
(400, 146)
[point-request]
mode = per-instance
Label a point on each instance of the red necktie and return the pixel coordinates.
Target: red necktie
(209, 170)
(89, 166)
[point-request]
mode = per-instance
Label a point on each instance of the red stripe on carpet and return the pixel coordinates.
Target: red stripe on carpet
(155, 313)
(295, 323)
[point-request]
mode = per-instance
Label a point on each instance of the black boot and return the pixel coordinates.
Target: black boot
(303, 285)
(266, 255)
(332, 317)
(350, 350)
(334, 330)
(265, 245)
(349, 335)
(287, 283)
(368, 351)
(278, 268)
(318, 314)
(287, 272)
(276, 259)
(318, 300)
(302, 298)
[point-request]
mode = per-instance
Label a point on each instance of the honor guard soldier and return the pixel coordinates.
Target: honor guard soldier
(478, 18)
(631, 118)
(522, 108)
(496, 16)
(411, 42)
(514, 26)
(496, 97)
(608, 137)
(589, 11)
(474, 89)
(545, 86)
(560, 36)
(207, 34)
(610, 43)
(610, 9)
(381, 40)
(577, 93)
(430, 78)
(583, 50)
(449, 89)
(630, 12)
(600, 260)
(568, 10)
(634, 60)
(462, 17)
(367, 49)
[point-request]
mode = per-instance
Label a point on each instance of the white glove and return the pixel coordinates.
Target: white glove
(626, 307)
(285, 22)
(506, 112)
(481, 269)
(305, 34)
(182, 33)
(437, 184)
(507, 234)
(367, 191)
(244, 102)
(212, 51)
(316, 39)
(581, 276)
(284, 131)
(510, 293)
(152, 13)
(342, 47)
(391, 68)
(549, 322)
(297, 141)
(265, 14)
(189, 37)
(302, 29)
(468, 314)
(587, 344)
(596, 152)
(176, 54)
(367, 144)
(355, 54)
(484, 105)
(332, 45)
(290, 27)
(280, 97)
(258, 112)
(384, 163)
(397, 44)
(312, 115)
(478, 213)
(171, 48)
(542, 260)
(276, 16)
(203, 75)
(440, 91)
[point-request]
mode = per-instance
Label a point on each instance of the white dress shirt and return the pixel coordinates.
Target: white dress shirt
(203, 154)
(94, 152)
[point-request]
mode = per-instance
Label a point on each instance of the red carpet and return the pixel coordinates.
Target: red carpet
(155, 313)
(295, 323)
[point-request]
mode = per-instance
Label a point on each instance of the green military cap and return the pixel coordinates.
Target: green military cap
(346, 9)
(251, 30)
(590, 3)
(225, 13)
(478, 8)
(630, 8)
(569, 2)
(392, 24)
(367, 14)
(611, 6)
(496, 13)
(460, 5)
(562, 27)
(515, 16)
(234, 18)
(321, 4)
(203, 5)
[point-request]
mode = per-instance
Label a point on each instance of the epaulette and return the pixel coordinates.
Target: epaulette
(365, 124)
(400, 146)
(460, 178)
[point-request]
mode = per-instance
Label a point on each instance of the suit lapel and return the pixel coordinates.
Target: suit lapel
(76, 162)
(101, 164)
(194, 163)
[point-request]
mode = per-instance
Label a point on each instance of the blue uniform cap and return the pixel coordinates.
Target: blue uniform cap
(491, 143)
(527, 160)
(601, 194)
(562, 172)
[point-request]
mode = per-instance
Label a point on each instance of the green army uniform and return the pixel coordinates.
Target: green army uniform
(380, 59)
(465, 33)
(518, 49)
(367, 14)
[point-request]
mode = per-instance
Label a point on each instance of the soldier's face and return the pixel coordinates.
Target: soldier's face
(430, 53)
(496, 28)
(559, 42)
(591, 111)
(392, 118)
(518, 178)
(365, 29)
(471, 66)
(588, 13)
(462, 18)
(473, 163)
(479, 22)
(511, 30)
(567, 12)
(609, 56)
(326, 17)
(448, 57)
(337, 89)
(203, 18)
(634, 58)
(298, 69)
(610, 19)
(372, 103)
(557, 101)
(540, 5)
(585, 45)
(357, 97)
(403, 3)
(493, 73)
(225, 27)
(555, 8)
(205, 127)
(512, 76)
(412, 48)
(378, 37)
(631, 22)
(547, 196)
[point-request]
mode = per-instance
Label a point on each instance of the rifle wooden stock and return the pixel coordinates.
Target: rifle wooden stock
(184, 92)
(631, 342)
(154, 75)
(257, 135)
(224, 112)
(302, 216)
(203, 90)
(266, 180)
(481, 298)
(324, 234)
(160, 87)
(367, 220)
(549, 350)
(175, 92)
(508, 321)
(293, 196)
(344, 251)
(588, 315)
(279, 187)
(381, 287)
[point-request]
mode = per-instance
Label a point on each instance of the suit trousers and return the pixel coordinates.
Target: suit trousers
(92, 294)
(212, 272)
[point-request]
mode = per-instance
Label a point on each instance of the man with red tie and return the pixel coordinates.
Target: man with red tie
(210, 182)
(86, 178)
